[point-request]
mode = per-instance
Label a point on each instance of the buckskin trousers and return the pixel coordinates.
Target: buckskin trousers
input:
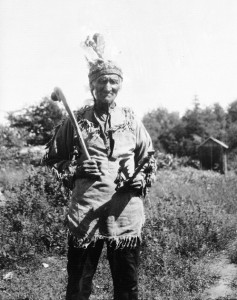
(82, 264)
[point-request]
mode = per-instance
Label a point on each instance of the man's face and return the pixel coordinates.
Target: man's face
(106, 88)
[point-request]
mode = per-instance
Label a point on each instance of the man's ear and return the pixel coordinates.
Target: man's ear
(92, 93)
(120, 84)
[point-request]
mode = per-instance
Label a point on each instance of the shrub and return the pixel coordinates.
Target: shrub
(33, 217)
(12, 137)
(171, 162)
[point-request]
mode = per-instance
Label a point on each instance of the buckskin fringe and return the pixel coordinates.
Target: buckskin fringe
(120, 242)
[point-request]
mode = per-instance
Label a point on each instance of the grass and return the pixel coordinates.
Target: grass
(232, 252)
(32, 280)
(191, 215)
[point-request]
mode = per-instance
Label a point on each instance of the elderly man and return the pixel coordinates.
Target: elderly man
(99, 212)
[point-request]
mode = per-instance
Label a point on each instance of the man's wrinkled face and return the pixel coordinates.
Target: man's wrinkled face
(106, 88)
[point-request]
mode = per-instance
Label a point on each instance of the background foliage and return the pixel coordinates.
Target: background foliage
(35, 123)
(171, 134)
(181, 136)
(191, 214)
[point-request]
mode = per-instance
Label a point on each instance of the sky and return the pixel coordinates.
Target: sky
(171, 51)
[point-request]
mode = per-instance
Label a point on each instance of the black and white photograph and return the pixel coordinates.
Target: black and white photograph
(118, 150)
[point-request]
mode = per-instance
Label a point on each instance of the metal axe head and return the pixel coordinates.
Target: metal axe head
(56, 94)
(54, 97)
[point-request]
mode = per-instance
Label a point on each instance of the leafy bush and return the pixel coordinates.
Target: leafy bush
(11, 137)
(171, 162)
(33, 218)
(37, 121)
(17, 164)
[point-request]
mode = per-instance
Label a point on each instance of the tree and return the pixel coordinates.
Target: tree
(232, 112)
(232, 136)
(181, 137)
(11, 137)
(200, 124)
(37, 121)
(221, 119)
(232, 125)
(192, 120)
(159, 123)
(214, 122)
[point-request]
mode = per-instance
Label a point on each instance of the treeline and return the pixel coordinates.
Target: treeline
(32, 125)
(181, 136)
(170, 133)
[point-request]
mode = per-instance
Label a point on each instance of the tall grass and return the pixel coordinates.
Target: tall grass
(190, 215)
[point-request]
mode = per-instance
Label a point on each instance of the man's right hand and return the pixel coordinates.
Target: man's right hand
(88, 168)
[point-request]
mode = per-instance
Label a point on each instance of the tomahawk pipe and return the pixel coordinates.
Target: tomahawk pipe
(145, 160)
(58, 95)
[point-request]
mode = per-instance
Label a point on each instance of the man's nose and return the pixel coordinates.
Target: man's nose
(108, 86)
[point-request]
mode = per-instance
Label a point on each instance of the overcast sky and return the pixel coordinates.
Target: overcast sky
(169, 50)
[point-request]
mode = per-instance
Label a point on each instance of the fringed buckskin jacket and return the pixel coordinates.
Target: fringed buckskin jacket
(116, 141)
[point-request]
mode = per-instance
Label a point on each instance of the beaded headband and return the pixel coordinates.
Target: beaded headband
(98, 65)
(100, 68)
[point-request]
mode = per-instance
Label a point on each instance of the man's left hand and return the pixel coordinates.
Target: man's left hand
(137, 183)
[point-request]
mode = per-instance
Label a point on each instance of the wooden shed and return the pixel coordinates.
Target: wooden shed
(213, 155)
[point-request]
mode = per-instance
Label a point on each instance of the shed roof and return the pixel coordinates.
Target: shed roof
(215, 141)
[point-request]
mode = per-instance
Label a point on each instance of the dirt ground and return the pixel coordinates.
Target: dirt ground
(224, 288)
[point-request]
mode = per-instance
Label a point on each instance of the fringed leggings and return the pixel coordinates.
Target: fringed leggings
(82, 264)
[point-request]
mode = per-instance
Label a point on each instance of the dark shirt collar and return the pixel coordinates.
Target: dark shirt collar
(99, 112)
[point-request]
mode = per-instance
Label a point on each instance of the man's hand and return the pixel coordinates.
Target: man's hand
(88, 168)
(136, 183)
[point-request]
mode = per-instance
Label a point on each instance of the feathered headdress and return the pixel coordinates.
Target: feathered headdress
(94, 52)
